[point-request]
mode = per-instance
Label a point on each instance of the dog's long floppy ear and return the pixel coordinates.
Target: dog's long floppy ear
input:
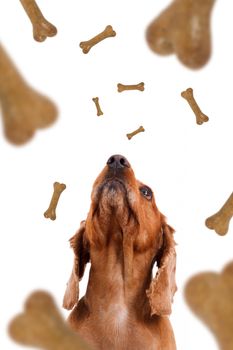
(81, 257)
(163, 285)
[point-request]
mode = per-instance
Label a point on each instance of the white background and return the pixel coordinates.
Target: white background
(188, 166)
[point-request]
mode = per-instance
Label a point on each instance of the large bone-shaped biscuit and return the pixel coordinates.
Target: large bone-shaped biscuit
(183, 28)
(23, 109)
(210, 297)
(42, 326)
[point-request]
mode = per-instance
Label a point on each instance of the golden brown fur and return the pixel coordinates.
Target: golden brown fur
(124, 307)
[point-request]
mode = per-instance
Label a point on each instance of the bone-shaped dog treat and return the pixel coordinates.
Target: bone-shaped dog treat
(210, 297)
(140, 129)
(87, 45)
(183, 28)
(188, 96)
(122, 87)
(41, 27)
(51, 211)
(23, 109)
(41, 325)
(220, 221)
(96, 102)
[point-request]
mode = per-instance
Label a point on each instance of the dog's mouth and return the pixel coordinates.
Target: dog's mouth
(111, 189)
(115, 197)
(113, 183)
(111, 193)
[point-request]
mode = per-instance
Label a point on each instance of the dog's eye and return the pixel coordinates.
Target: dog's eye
(146, 191)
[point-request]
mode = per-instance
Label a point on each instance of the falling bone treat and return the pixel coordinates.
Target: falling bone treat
(58, 188)
(41, 27)
(42, 326)
(98, 108)
(188, 96)
(23, 109)
(122, 87)
(107, 33)
(219, 222)
(140, 129)
(184, 29)
(210, 297)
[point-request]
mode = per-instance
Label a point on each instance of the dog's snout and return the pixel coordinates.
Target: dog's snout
(118, 162)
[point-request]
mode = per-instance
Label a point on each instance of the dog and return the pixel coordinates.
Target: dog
(123, 236)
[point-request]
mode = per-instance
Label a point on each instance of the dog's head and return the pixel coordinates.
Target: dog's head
(124, 206)
(120, 202)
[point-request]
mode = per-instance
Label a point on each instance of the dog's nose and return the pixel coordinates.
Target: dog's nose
(118, 162)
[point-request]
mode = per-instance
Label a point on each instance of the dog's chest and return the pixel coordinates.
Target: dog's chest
(121, 331)
(116, 316)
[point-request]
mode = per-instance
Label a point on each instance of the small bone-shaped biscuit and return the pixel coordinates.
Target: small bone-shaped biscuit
(98, 109)
(42, 326)
(23, 109)
(210, 297)
(140, 129)
(220, 221)
(183, 28)
(107, 33)
(50, 213)
(41, 27)
(122, 87)
(188, 96)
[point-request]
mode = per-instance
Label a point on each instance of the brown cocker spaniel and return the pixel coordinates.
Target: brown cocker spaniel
(124, 235)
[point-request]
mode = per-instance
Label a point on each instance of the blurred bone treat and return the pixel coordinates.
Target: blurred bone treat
(210, 297)
(23, 109)
(183, 28)
(220, 221)
(42, 326)
(41, 27)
